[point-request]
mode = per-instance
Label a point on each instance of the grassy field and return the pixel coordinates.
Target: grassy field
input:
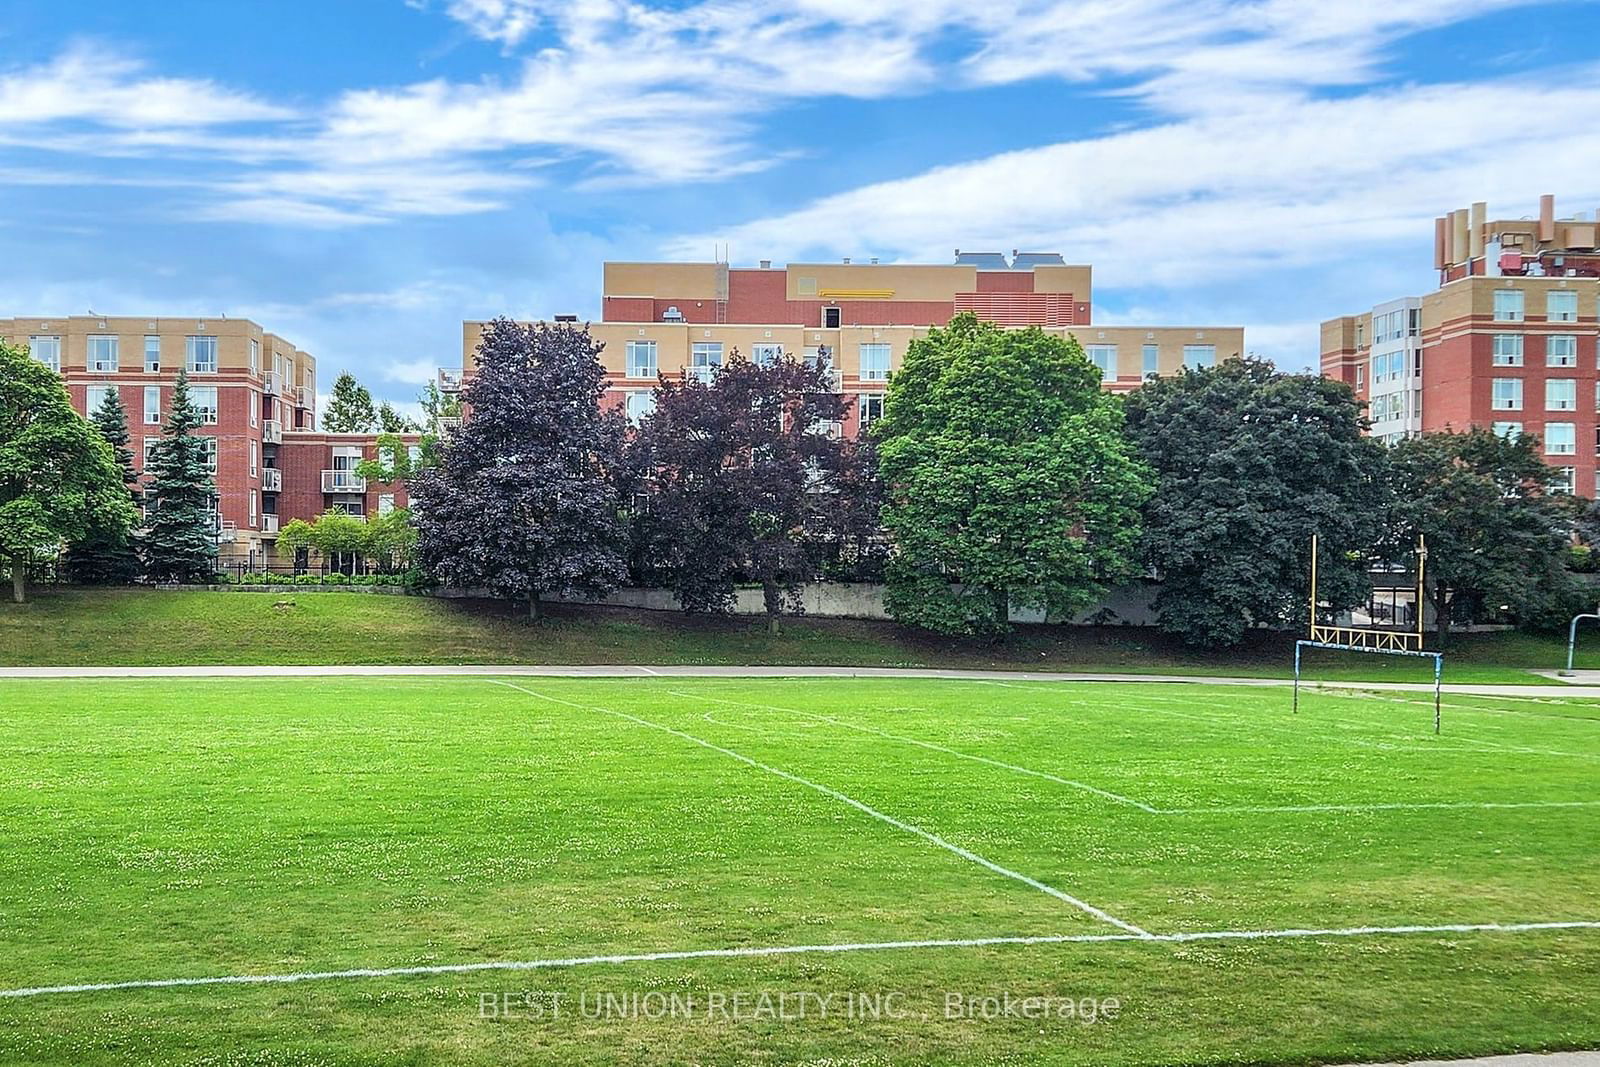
(150, 627)
(202, 828)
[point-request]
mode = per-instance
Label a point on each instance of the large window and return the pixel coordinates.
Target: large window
(255, 457)
(1507, 429)
(1104, 357)
(46, 350)
(94, 396)
(875, 362)
(1561, 394)
(255, 357)
(641, 359)
(870, 405)
(1151, 359)
(1565, 480)
(704, 358)
(152, 405)
(765, 355)
(1561, 305)
(1561, 350)
(1560, 439)
(102, 353)
(152, 353)
(640, 403)
(1196, 357)
(1507, 394)
(200, 353)
(1508, 350)
(204, 399)
(1508, 305)
(208, 451)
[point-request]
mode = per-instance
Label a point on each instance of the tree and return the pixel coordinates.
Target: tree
(391, 421)
(180, 544)
(349, 407)
(1007, 480)
(391, 541)
(749, 482)
(1497, 535)
(1249, 463)
(395, 463)
(58, 477)
(521, 501)
(436, 407)
(105, 554)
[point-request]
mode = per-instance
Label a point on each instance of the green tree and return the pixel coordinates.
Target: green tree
(1249, 464)
(391, 421)
(391, 541)
(395, 463)
(106, 554)
(58, 477)
(180, 544)
(1497, 535)
(1007, 480)
(350, 407)
(437, 406)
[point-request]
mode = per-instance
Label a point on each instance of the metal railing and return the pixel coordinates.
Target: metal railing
(449, 381)
(343, 482)
(271, 480)
(271, 383)
(271, 432)
(269, 524)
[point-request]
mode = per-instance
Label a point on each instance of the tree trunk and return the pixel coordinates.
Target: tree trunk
(1441, 614)
(1001, 604)
(19, 580)
(533, 605)
(771, 600)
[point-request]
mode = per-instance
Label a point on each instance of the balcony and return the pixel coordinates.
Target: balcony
(271, 432)
(343, 482)
(271, 383)
(271, 480)
(227, 531)
(449, 422)
(304, 396)
(449, 381)
(269, 525)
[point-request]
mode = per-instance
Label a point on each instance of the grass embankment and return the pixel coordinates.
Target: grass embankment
(153, 628)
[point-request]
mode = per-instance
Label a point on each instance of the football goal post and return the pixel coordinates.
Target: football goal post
(1386, 632)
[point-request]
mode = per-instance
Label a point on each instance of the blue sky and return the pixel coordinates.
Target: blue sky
(362, 175)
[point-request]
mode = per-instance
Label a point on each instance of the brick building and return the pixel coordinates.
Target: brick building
(1506, 342)
(685, 318)
(257, 396)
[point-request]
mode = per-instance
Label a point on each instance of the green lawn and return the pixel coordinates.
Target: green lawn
(151, 627)
(194, 828)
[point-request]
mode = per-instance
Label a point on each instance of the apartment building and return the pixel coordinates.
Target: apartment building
(1506, 342)
(857, 319)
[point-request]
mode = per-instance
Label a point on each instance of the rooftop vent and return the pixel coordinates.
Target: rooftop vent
(982, 260)
(566, 318)
(1030, 260)
(672, 314)
(766, 264)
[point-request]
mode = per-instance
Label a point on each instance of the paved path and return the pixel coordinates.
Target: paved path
(623, 671)
(1557, 1059)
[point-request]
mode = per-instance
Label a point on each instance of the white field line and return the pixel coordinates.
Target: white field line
(792, 950)
(1442, 805)
(932, 838)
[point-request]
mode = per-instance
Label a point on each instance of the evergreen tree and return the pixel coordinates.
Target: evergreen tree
(350, 407)
(521, 501)
(58, 477)
(391, 421)
(106, 554)
(180, 544)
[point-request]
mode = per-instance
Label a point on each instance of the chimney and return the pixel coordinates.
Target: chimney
(1458, 227)
(1441, 232)
(1480, 216)
(1547, 217)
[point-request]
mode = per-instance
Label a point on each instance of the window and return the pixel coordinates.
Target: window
(149, 448)
(152, 405)
(1561, 394)
(1198, 356)
(1361, 375)
(255, 357)
(1508, 350)
(255, 457)
(1507, 429)
(255, 408)
(1507, 394)
(95, 396)
(875, 362)
(830, 318)
(1561, 350)
(204, 399)
(1361, 334)
(102, 353)
(1560, 439)
(871, 407)
(641, 359)
(1566, 478)
(640, 404)
(200, 353)
(385, 503)
(1104, 357)
(1561, 305)
(1152, 359)
(152, 354)
(766, 354)
(1415, 328)
(208, 449)
(1508, 305)
(704, 358)
(253, 506)
(46, 350)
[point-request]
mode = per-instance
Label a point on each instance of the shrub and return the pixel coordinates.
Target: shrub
(336, 579)
(307, 579)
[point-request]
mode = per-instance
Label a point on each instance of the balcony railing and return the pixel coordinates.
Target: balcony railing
(343, 482)
(271, 383)
(271, 432)
(227, 531)
(450, 422)
(269, 524)
(271, 480)
(303, 397)
(449, 381)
